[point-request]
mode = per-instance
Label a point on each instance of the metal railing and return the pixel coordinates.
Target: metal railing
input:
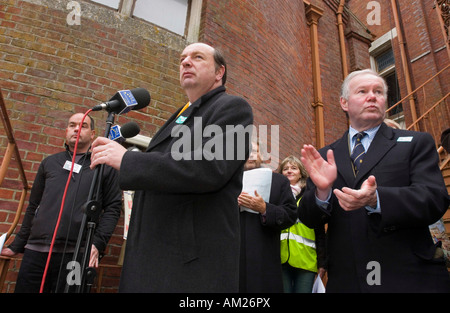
(11, 152)
(439, 111)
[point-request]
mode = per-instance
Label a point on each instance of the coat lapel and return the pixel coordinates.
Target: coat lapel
(381, 144)
(342, 158)
(166, 130)
(174, 120)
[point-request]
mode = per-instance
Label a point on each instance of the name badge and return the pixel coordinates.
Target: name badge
(68, 166)
(181, 119)
(405, 139)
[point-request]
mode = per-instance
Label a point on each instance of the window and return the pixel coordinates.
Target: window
(169, 14)
(383, 61)
(384, 64)
(181, 17)
(393, 93)
(109, 3)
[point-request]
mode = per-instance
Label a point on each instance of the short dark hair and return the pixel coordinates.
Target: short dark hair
(219, 59)
(92, 122)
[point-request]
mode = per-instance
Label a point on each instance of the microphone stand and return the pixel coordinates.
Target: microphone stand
(92, 211)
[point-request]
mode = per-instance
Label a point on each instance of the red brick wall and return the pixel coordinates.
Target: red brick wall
(331, 73)
(268, 51)
(268, 48)
(423, 38)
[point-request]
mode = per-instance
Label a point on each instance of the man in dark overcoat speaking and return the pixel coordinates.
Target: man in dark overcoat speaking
(184, 227)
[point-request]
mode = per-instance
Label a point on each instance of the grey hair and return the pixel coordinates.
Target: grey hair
(346, 83)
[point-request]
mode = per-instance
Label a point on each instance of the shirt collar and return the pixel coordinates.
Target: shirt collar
(367, 140)
(371, 132)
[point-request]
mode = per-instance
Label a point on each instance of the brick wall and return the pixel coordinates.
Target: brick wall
(424, 45)
(268, 47)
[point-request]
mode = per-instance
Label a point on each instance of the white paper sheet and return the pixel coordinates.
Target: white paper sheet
(318, 286)
(259, 179)
(128, 204)
(2, 241)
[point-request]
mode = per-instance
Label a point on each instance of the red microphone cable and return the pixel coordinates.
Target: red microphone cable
(62, 205)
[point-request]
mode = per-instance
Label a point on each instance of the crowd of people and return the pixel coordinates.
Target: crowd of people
(356, 211)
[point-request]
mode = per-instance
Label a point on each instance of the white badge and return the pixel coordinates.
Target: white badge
(68, 166)
(405, 139)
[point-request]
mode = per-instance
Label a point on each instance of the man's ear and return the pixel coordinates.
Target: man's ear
(220, 72)
(344, 104)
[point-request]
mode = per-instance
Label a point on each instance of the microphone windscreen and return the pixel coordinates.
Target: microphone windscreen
(142, 97)
(130, 129)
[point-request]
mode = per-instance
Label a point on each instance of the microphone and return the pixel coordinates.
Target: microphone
(125, 100)
(120, 134)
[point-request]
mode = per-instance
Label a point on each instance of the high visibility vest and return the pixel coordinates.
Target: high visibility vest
(298, 246)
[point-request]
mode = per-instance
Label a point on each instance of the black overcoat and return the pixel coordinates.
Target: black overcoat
(184, 227)
(260, 269)
(392, 251)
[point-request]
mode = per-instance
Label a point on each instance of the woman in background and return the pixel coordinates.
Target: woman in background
(303, 250)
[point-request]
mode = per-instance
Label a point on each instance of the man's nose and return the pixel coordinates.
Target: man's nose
(371, 95)
(186, 62)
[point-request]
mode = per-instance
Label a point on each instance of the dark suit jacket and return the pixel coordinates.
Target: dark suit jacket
(184, 228)
(260, 267)
(412, 195)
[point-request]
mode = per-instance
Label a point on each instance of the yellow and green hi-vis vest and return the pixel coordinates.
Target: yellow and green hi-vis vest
(298, 246)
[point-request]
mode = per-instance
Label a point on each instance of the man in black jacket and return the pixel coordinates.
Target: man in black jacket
(378, 210)
(36, 234)
(184, 227)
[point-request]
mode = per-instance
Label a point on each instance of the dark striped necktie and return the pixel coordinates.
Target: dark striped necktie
(358, 152)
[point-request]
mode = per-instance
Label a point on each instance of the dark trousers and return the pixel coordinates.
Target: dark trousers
(32, 270)
(297, 280)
